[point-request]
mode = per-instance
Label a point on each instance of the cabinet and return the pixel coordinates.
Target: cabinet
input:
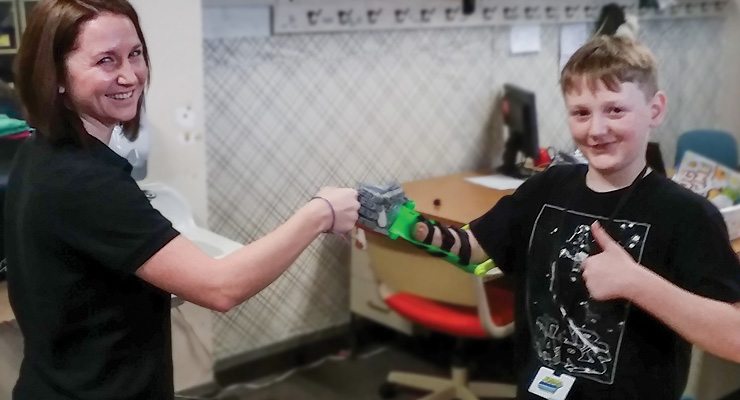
(9, 27)
(13, 17)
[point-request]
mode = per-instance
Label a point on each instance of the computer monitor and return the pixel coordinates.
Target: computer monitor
(520, 115)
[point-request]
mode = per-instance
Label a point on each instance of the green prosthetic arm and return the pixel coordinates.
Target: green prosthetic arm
(386, 210)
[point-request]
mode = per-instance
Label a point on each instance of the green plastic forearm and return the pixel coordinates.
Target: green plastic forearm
(403, 226)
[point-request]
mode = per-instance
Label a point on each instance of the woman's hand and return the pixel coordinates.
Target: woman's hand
(345, 206)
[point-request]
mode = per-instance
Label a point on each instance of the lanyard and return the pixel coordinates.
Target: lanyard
(620, 204)
(628, 193)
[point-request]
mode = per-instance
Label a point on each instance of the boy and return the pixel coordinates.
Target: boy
(609, 326)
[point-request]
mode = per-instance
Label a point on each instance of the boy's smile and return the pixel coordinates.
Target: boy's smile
(611, 128)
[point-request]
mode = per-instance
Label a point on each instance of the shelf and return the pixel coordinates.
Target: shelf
(9, 30)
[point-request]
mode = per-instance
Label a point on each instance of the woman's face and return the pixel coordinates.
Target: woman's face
(106, 71)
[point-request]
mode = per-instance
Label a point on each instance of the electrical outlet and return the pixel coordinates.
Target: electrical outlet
(185, 117)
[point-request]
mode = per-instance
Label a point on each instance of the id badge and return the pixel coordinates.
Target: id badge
(550, 386)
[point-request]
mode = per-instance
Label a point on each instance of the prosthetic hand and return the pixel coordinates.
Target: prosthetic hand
(386, 210)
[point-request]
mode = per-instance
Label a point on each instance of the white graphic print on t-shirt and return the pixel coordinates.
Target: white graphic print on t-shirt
(570, 331)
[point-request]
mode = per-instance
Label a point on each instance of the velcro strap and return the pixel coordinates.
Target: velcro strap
(430, 232)
(448, 239)
(465, 249)
(430, 229)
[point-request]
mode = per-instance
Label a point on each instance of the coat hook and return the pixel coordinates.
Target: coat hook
(468, 7)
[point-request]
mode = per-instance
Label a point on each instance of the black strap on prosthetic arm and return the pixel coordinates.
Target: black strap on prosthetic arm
(448, 239)
(465, 248)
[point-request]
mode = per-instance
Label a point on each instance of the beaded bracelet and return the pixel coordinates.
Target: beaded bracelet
(333, 215)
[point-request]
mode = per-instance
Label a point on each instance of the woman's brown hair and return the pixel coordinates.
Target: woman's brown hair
(40, 65)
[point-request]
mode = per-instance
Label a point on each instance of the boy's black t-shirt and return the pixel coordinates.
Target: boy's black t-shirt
(540, 234)
(77, 228)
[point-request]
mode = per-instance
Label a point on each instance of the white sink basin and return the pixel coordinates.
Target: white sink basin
(175, 208)
(211, 243)
(209, 249)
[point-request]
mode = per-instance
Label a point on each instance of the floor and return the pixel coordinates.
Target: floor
(359, 378)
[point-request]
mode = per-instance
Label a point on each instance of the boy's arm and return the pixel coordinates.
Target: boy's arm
(490, 241)
(454, 239)
(386, 210)
(712, 325)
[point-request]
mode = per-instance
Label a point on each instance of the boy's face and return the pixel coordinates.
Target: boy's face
(612, 128)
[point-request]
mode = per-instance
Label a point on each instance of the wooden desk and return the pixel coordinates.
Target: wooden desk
(459, 200)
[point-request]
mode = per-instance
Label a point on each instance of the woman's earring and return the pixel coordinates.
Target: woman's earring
(62, 89)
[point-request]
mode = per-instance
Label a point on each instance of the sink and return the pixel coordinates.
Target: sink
(171, 204)
(211, 243)
(174, 207)
(209, 249)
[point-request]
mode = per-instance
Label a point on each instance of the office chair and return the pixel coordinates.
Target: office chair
(436, 295)
(719, 146)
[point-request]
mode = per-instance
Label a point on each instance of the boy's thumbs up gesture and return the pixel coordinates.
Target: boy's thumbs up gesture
(612, 273)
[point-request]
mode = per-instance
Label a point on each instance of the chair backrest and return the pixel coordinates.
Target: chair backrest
(401, 267)
(719, 146)
(405, 268)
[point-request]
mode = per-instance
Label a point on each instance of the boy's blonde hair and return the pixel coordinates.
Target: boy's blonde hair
(613, 61)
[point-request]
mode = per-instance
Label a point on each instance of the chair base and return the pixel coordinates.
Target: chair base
(457, 387)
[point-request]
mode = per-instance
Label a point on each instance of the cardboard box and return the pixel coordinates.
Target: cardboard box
(716, 182)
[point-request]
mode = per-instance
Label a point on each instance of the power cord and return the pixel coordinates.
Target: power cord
(342, 356)
(238, 387)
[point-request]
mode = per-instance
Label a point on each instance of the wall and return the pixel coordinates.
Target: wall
(287, 114)
(177, 156)
(731, 76)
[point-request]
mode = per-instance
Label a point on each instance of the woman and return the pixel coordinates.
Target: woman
(91, 263)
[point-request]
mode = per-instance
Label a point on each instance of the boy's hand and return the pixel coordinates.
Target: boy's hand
(611, 274)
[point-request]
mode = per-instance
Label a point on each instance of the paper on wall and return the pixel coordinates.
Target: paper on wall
(572, 37)
(525, 39)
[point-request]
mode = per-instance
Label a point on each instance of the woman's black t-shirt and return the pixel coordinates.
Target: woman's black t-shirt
(77, 228)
